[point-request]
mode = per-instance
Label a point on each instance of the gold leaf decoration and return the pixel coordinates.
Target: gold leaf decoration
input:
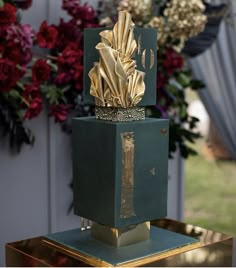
(115, 82)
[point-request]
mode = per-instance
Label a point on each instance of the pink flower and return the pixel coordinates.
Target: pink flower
(21, 34)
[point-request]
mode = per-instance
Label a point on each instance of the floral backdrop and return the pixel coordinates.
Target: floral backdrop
(44, 68)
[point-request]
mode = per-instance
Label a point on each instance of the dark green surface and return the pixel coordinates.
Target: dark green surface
(97, 170)
(160, 241)
(148, 41)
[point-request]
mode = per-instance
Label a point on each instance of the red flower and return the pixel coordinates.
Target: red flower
(12, 52)
(62, 78)
(60, 112)
(70, 66)
(35, 108)
(68, 32)
(9, 74)
(47, 36)
(40, 71)
(70, 55)
(31, 92)
(7, 15)
(85, 13)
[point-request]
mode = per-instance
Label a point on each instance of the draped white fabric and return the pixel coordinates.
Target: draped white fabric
(217, 68)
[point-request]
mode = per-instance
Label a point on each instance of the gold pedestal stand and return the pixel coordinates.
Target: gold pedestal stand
(214, 249)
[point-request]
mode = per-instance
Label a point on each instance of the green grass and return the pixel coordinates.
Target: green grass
(210, 193)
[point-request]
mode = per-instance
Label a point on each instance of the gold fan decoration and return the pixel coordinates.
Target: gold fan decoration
(115, 82)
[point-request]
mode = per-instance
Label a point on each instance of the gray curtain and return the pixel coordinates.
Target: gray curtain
(217, 68)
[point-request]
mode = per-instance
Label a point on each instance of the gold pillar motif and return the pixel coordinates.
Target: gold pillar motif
(127, 176)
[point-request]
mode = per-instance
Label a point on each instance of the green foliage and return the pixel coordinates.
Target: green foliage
(53, 94)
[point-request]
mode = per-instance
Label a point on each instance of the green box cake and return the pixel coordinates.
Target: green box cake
(120, 170)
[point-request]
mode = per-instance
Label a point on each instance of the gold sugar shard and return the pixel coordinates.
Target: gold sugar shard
(115, 82)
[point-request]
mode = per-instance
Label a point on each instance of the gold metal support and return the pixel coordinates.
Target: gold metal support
(119, 237)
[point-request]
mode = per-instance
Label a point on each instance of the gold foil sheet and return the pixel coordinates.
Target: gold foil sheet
(115, 82)
(127, 179)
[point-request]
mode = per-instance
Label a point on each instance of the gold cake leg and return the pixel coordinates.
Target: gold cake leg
(119, 237)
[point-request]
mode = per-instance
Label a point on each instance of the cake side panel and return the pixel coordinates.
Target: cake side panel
(151, 170)
(93, 170)
(141, 171)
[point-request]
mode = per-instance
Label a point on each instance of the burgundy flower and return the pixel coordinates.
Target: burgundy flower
(161, 80)
(68, 33)
(40, 71)
(60, 112)
(78, 76)
(70, 55)
(47, 36)
(12, 52)
(34, 108)
(9, 74)
(82, 13)
(62, 78)
(7, 15)
(173, 61)
(86, 12)
(31, 92)
(70, 67)
(70, 4)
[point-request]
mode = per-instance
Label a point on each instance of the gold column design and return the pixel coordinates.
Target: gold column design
(127, 177)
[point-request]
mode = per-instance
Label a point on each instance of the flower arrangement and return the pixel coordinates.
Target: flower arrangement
(56, 74)
(59, 70)
(176, 22)
(16, 98)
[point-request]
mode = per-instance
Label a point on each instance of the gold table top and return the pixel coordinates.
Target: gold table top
(215, 249)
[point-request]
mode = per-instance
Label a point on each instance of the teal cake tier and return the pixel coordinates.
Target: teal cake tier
(120, 170)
